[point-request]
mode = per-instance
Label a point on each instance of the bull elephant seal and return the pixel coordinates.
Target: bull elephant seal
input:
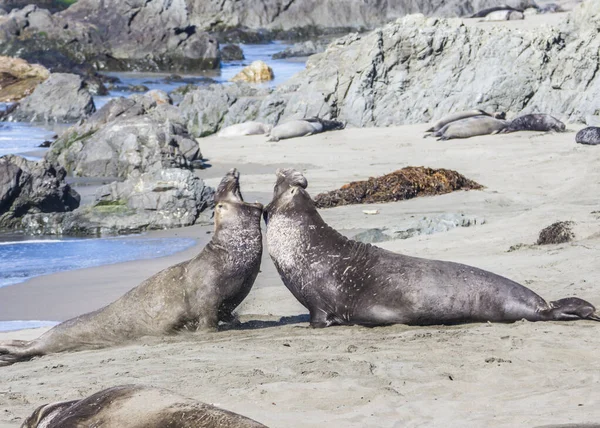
(341, 281)
(535, 122)
(303, 128)
(135, 406)
(243, 129)
(471, 127)
(589, 135)
(192, 295)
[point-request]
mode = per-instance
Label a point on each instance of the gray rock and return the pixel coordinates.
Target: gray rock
(300, 49)
(232, 53)
(372, 236)
(28, 187)
(62, 98)
(437, 224)
(160, 200)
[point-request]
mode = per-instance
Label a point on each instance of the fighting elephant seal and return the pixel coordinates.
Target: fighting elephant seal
(589, 136)
(135, 406)
(534, 122)
(192, 295)
(303, 128)
(341, 281)
(243, 129)
(471, 127)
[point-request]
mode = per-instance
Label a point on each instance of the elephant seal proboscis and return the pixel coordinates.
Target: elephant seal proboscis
(589, 136)
(135, 406)
(303, 128)
(190, 296)
(471, 127)
(534, 122)
(243, 129)
(341, 281)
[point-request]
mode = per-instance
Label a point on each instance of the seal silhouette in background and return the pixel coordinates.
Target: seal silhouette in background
(341, 281)
(192, 295)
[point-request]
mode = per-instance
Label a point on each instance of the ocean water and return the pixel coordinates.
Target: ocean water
(20, 325)
(18, 138)
(21, 260)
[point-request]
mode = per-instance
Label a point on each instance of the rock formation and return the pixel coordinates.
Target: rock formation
(18, 78)
(256, 72)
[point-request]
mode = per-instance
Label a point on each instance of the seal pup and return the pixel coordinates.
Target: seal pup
(135, 406)
(303, 128)
(243, 129)
(471, 127)
(190, 296)
(589, 135)
(534, 122)
(341, 281)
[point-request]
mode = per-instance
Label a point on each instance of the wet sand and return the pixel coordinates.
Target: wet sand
(282, 373)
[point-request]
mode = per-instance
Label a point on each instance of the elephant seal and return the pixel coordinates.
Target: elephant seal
(504, 15)
(471, 127)
(589, 135)
(534, 122)
(485, 12)
(243, 129)
(190, 296)
(341, 281)
(453, 117)
(303, 128)
(135, 406)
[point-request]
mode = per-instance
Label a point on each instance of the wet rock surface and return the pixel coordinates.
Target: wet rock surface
(29, 187)
(406, 183)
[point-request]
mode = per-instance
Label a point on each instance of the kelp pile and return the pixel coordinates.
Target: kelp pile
(557, 233)
(406, 183)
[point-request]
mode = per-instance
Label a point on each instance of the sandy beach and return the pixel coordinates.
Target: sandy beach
(282, 373)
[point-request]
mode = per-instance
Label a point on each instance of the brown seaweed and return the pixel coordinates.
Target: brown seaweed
(406, 183)
(557, 233)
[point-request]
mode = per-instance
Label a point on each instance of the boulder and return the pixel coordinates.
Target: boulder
(18, 78)
(159, 200)
(62, 98)
(307, 48)
(28, 187)
(232, 53)
(256, 72)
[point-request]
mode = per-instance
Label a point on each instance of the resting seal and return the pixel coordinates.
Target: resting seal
(535, 122)
(341, 281)
(243, 129)
(192, 295)
(135, 406)
(589, 135)
(453, 117)
(504, 15)
(486, 12)
(471, 127)
(303, 128)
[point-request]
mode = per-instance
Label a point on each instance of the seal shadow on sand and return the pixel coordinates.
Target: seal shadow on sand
(260, 324)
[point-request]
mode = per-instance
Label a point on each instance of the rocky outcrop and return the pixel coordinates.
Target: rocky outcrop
(159, 200)
(307, 48)
(256, 72)
(62, 98)
(18, 78)
(28, 187)
(419, 69)
(118, 36)
(232, 53)
(210, 108)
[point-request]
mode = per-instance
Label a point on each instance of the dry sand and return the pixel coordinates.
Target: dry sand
(285, 374)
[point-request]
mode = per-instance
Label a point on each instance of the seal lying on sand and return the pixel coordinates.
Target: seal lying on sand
(589, 135)
(471, 127)
(534, 122)
(192, 295)
(485, 12)
(134, 406)
(341, 281)
(504, 15)
(243, 129)
(303, 128)
(453, 117)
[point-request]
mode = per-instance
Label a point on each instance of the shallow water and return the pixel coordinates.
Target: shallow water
(18, 138)
(23, 259)
(20, 325)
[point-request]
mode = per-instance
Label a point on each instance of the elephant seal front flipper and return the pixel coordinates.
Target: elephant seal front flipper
(136, 406)
(192, 295)
(341, 281)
